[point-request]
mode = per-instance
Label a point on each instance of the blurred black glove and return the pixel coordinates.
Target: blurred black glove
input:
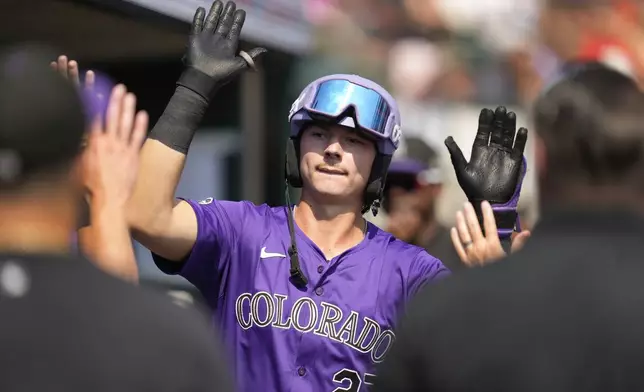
(212, 59)
(496, 169)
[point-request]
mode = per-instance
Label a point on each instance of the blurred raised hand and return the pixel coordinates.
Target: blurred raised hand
(110, 165)
(111, 159)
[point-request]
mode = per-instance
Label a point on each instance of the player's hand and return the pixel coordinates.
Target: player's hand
(214, 42)
(473, 247)
(494, 170)
(111, 158)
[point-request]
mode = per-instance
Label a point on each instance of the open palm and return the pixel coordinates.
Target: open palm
(496, 162)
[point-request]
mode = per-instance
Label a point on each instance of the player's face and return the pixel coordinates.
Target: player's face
(336, 161)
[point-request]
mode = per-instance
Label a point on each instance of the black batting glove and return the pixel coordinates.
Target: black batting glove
(496, 168)
(212, 59)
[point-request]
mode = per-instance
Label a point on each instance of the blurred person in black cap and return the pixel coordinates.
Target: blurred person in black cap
(564, 313)
(412, 188)
(65, 324)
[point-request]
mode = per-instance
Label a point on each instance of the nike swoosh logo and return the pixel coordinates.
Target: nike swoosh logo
(265, 255)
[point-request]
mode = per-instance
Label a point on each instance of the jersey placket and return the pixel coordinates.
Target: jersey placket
(311, 343)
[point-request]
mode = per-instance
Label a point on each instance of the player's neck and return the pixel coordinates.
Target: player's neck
(35, 227)
(332, 228)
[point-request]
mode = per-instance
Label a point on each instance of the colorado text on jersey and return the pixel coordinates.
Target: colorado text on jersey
(327, 321)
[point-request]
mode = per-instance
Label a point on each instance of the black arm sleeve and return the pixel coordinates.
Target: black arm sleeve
(180, 120)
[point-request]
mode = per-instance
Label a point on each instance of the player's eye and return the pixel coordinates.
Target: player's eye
(355, 140)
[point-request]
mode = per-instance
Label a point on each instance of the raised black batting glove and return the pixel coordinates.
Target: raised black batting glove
(496, 168)
(212, 59)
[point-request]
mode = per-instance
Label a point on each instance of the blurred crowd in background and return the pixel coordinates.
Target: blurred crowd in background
(444, 59)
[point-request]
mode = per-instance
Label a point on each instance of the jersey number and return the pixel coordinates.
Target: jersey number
(353, 378)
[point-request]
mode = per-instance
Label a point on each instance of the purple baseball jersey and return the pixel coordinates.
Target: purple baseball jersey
(327, 337)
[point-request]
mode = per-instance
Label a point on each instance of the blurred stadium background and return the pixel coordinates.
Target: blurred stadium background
(442, 59)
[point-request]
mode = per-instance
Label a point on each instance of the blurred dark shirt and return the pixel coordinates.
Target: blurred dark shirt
(563, 314)
(66, 326)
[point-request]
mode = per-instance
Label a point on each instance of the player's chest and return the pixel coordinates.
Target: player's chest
(342, 303)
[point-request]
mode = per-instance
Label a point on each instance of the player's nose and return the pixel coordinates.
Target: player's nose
(334, 148)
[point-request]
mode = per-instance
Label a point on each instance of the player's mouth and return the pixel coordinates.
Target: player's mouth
(333, 172)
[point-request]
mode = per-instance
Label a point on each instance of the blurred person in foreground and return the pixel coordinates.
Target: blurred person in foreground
(412, 188)
(564, 313)
(65, 324)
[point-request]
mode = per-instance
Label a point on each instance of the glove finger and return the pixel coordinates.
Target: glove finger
(485, 125)
(497, 125)
(197, 21)
(226, 22)
(238, 22)
(213, 16)
(458, 160)
(509, 129)
(519, 144)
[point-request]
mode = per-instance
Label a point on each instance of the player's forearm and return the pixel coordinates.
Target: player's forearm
(162, 160)
(107, 241)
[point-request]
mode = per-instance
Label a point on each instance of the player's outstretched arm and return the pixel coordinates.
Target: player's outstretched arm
(163, 225)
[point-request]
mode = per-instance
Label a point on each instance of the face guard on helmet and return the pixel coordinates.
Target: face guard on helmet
(354, 102)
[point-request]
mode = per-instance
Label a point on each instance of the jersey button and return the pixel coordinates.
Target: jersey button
(320, 269)
(319, 291)
(301, 371)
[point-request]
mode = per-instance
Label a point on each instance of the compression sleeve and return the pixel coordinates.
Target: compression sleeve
(180, 120)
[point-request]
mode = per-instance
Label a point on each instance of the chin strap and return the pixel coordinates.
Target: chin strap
(297, 276)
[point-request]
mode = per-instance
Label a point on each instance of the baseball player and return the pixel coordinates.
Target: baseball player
(306, 296)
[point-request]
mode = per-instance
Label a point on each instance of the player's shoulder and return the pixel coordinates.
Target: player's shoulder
(242, 208)
(400, 251)
(240, 212)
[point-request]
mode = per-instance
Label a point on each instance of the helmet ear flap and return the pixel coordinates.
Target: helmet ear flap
(292, 164)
